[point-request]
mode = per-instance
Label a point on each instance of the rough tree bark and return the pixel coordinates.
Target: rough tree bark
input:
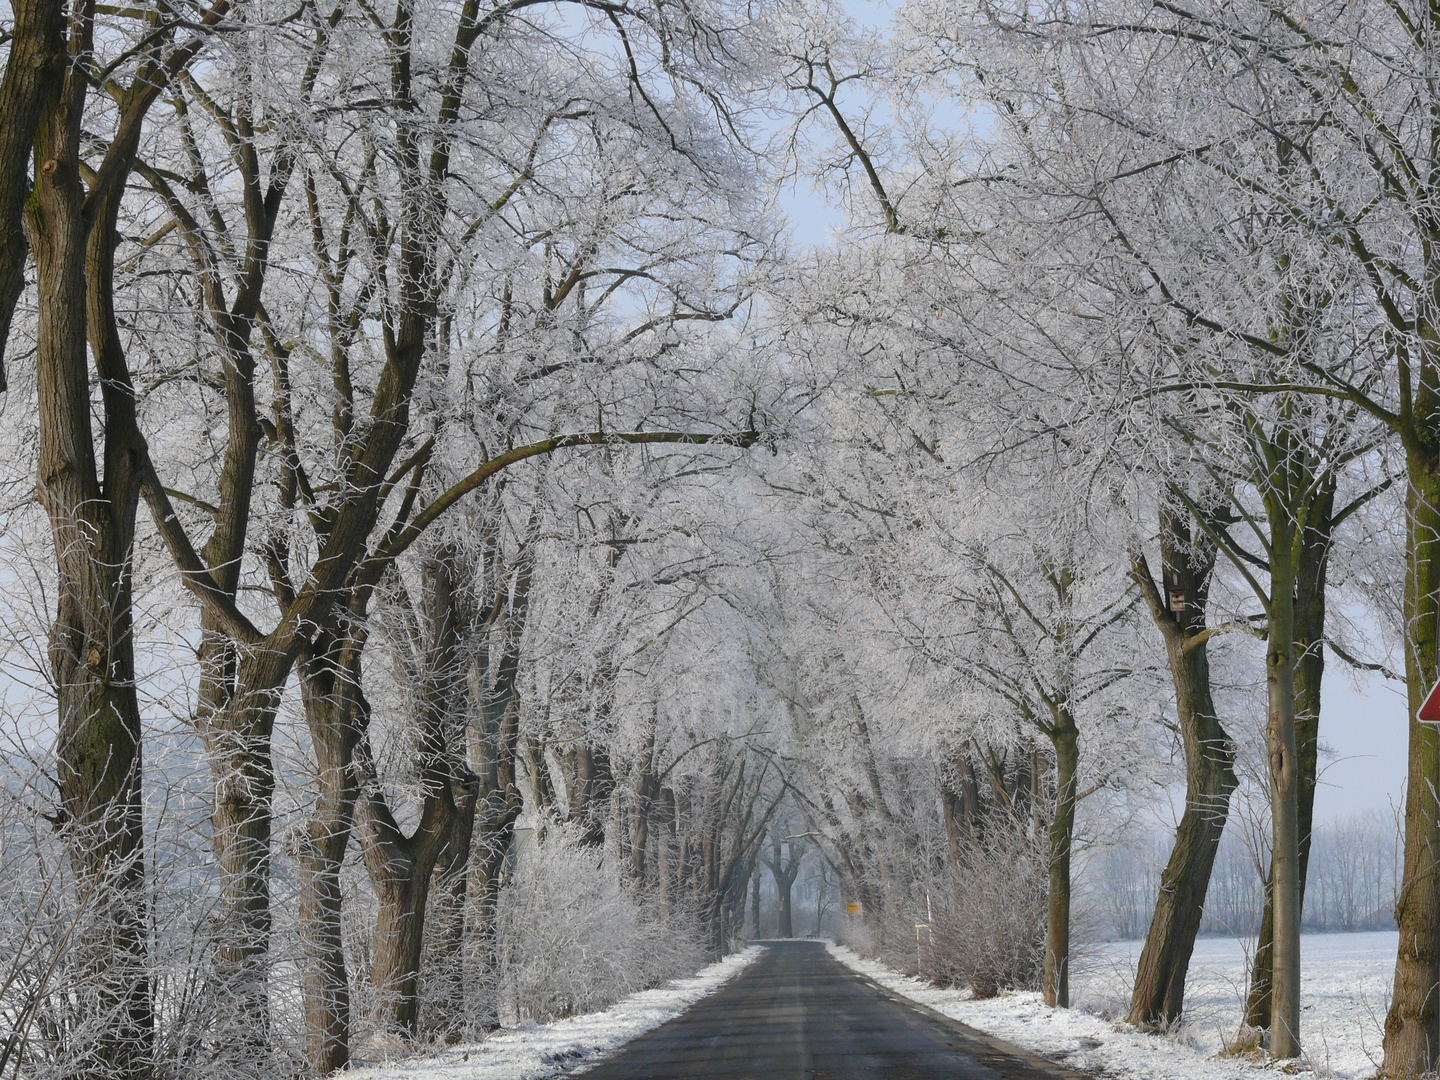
(647, 786)
(1412, 1026)
(1159, 992)
(91, 648)
(36, 41)
(442, 962)
(337, 715)
(91, 505)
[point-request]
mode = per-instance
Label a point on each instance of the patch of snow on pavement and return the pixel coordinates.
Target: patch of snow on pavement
(1343, 1002)
(532, 1051)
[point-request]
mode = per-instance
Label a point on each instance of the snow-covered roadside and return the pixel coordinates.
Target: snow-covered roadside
(1085, 1041)
(541, 1050)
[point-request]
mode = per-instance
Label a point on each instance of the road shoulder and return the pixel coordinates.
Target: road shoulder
(1080, 1043)
(537, 1051)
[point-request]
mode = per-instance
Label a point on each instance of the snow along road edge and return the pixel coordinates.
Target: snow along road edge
(1070, 1037)
(534, 1051)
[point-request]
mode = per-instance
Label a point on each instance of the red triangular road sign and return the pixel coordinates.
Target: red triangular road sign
(1430, 711)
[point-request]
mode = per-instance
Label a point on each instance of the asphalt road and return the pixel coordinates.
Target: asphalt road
(797, 1014)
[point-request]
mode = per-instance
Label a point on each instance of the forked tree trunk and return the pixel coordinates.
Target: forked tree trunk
(784, 871)
(1066, 740)
(1159, 993)
(92, 521)
(401, 867)
(238, 745)
(1309, 672)
(1412, 1026)
(442, 967)
(400, 870)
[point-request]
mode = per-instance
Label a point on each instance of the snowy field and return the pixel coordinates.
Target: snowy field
(540, 1050)
(1346, 987)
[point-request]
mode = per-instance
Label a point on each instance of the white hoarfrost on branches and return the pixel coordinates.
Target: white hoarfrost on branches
(463, 565)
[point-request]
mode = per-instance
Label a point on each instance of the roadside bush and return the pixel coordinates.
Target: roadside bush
(988, 930)
(572, 939)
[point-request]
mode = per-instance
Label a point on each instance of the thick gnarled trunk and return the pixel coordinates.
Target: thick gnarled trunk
(92, 520)
(400, 872)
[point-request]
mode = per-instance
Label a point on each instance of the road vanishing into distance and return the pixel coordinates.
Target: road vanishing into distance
(796, 1013)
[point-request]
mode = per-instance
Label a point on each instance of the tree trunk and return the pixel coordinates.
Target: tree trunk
(36, 41)
(1412, 1026)
(593, 787)
(1280, 739)
(238, 745)
(647, 786)
(1065, 738)
(494, 743)
(337, 716)
(666, 818)
(494, 833)
(92, 521)
(1310, 583)
(400, 874)
(755, 901)
(1159, 993)
(443, 960)
(784, 871)
(401, 867)
(960, 802)
(540, 785)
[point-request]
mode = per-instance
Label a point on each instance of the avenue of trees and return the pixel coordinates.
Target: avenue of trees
(456, 544)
